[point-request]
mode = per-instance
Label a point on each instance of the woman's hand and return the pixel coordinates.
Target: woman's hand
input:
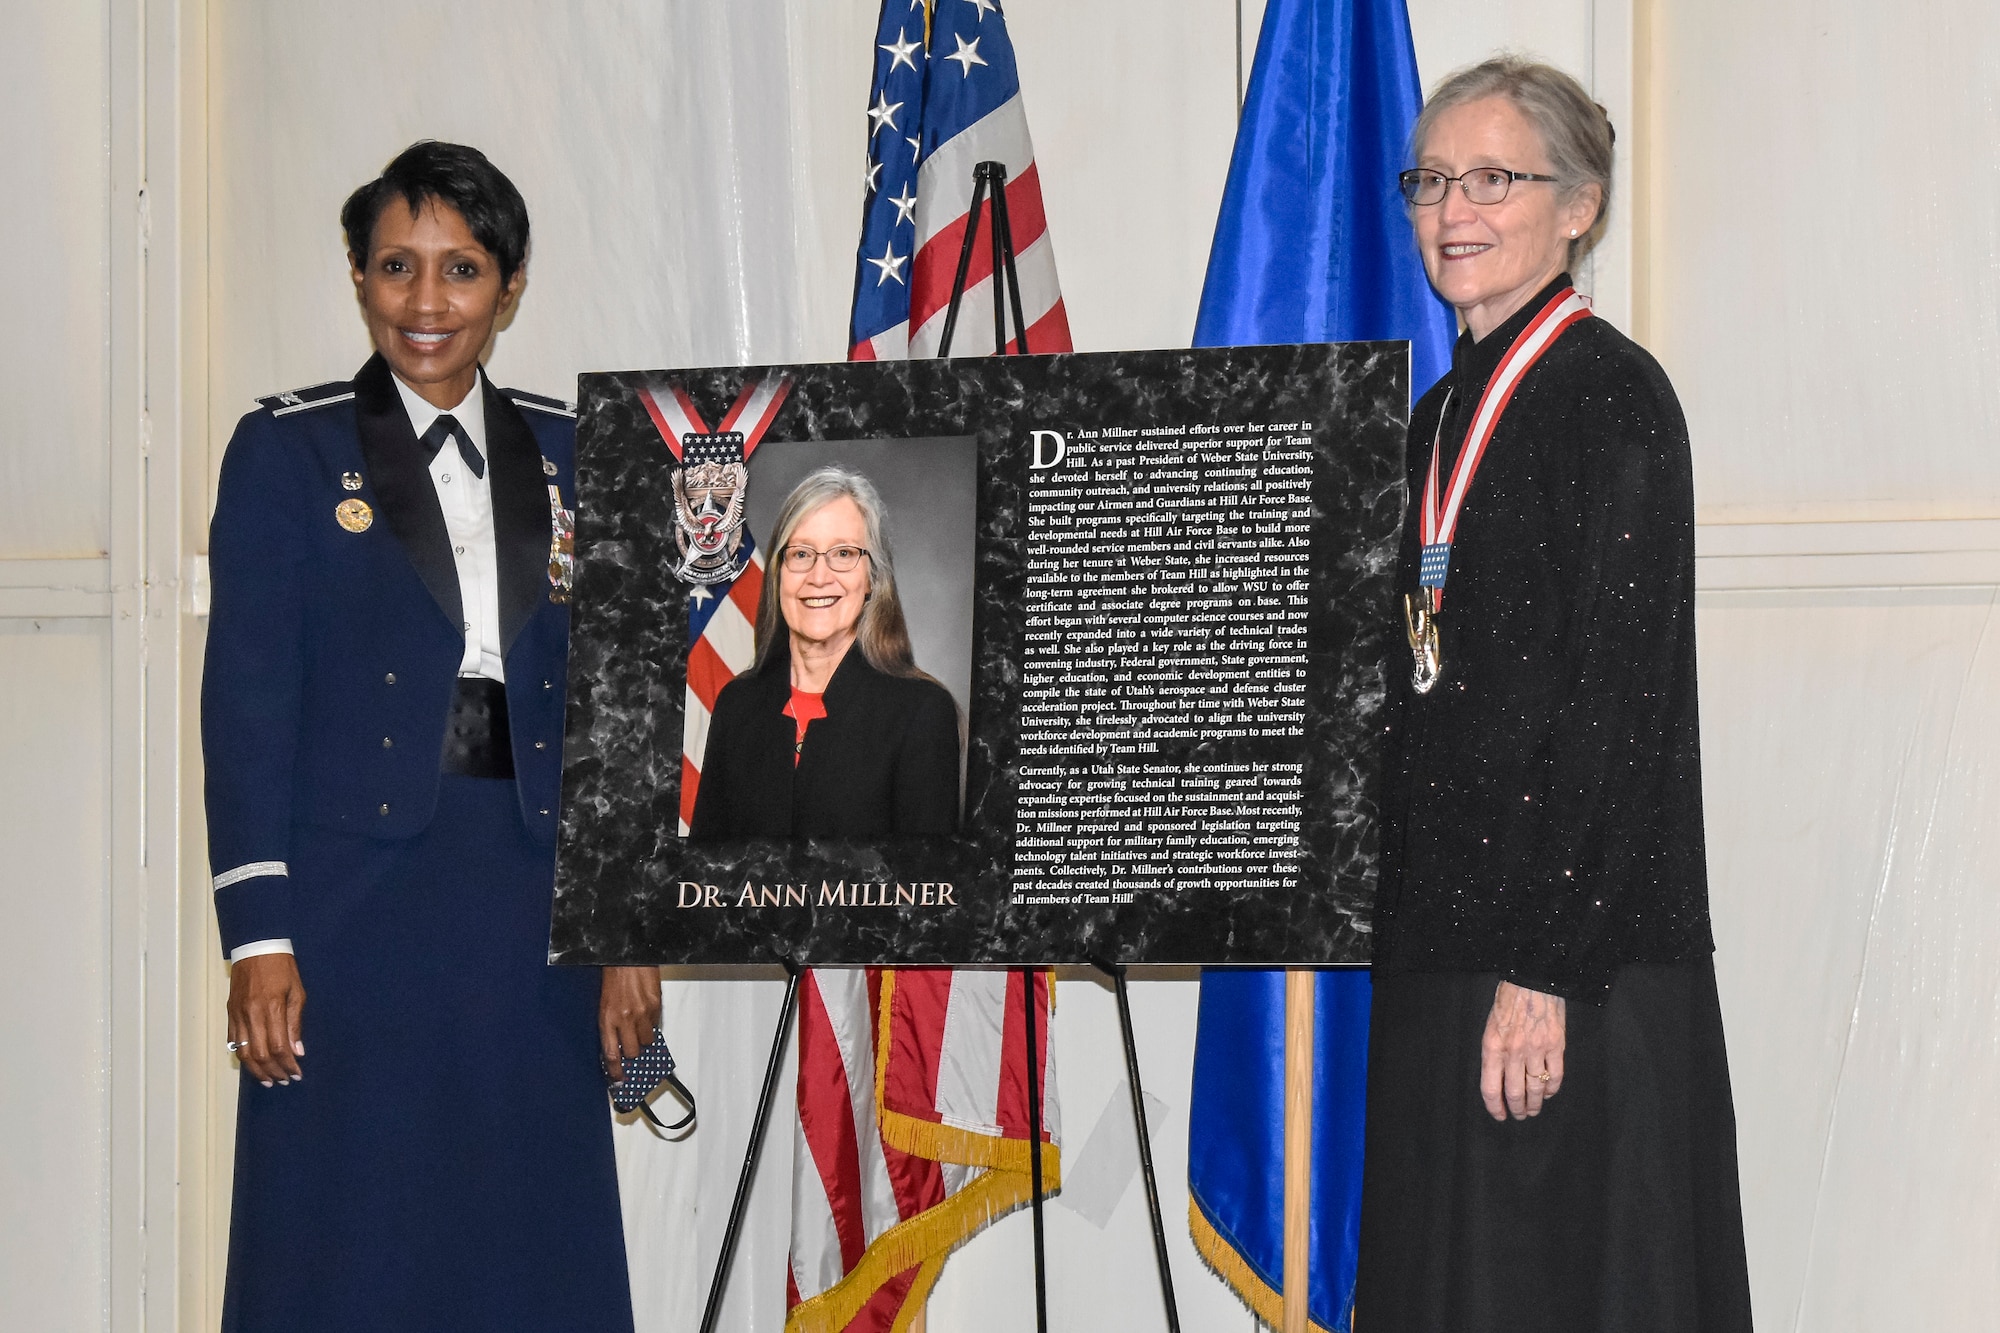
(266, 997)
(628, 1014)
(1521, 1056)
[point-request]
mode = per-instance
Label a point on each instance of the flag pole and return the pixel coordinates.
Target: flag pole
(1299, 994)
(1035, 1066)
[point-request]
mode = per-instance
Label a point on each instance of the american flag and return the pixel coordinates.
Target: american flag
(912, 1133)
(940, 105)
(913, 1083)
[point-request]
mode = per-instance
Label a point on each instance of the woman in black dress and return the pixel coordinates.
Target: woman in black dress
(834, 732)
(1551, 1141)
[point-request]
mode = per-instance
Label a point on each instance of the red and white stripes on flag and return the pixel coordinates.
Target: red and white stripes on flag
(914, 1135)
(944, 192)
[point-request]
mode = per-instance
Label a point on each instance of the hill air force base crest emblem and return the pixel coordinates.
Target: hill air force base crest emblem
(712, 483)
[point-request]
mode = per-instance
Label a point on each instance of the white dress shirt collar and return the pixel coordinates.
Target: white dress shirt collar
(471, 413)
(466, 503)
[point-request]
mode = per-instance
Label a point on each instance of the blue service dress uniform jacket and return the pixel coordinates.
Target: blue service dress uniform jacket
(446, 1161)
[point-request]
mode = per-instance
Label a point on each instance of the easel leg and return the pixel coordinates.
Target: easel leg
(989, 178)
(741, 1204)
(1003, 228)
(1031, 1013)
(1117, 971)
(964, 263)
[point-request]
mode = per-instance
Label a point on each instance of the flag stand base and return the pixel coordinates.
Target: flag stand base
(1116, 971)
(740, 1205)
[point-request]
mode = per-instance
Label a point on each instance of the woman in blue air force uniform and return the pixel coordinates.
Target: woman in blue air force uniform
(382, 727)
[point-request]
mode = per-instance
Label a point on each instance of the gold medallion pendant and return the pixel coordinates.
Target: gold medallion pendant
(354, 515)
(1420, 625)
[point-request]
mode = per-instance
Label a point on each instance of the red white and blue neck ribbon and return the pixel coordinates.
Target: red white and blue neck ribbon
(1440, 522)
(674, 414)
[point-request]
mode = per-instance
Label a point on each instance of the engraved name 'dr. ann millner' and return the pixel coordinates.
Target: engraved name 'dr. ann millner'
(841, 894)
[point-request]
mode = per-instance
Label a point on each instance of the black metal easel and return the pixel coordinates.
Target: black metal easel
(732, 1232)
(989, 179)
(1117, 974)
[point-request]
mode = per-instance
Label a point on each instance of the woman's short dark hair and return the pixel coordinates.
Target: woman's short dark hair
(450, 173)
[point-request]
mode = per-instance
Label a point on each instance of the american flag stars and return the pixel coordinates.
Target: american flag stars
(883, 113)
(902, 52)
(890, 264)
(967, 54)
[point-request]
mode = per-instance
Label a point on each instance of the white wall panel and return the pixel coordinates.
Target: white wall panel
(669, 154)
(54, 85)
(677, 1191)
(1853, 802)
(1133, 119)
(1827, 286)
(54, 1013)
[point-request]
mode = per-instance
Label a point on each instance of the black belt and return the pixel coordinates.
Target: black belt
(477, 743)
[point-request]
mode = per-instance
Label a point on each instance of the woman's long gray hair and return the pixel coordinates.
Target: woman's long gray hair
(882, 633)
(1575, 131)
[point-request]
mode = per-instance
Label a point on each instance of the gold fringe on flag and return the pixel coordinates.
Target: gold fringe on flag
(924, 1241)
(1264, 1300)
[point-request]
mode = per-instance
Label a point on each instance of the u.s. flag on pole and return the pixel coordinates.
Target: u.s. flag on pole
(942, 102)
(913, 1083)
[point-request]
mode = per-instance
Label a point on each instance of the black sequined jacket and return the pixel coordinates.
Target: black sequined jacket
(1542, 810)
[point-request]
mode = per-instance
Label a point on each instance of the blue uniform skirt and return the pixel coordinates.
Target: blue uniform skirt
(446, 1162)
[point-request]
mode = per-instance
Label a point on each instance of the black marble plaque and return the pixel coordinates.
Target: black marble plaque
(1137, 895)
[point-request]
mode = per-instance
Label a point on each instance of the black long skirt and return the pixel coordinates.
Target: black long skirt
(446, 1165)
(1616, 1210)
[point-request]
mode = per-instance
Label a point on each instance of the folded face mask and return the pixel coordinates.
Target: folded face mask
(644, 1073)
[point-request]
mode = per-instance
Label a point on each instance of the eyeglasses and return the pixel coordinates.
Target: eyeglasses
(839, 559)
(1482, 185)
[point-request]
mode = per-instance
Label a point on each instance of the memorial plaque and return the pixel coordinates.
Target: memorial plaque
(1156, 587)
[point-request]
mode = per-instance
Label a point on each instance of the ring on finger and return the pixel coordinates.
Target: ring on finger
(236, 1046)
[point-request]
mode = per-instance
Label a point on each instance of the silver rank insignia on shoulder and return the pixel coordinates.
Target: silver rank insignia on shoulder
(350, 481)
(548, 468)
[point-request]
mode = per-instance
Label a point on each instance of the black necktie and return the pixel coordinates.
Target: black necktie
(447, 427)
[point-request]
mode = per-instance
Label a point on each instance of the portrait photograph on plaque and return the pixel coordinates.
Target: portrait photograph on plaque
(869, 542)
(1051, 658)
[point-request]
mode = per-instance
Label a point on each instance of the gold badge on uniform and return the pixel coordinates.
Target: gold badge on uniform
(548, 468)
(350, 481)
(354, 515)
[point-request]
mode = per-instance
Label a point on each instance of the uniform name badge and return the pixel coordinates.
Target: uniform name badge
(1439, 515)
